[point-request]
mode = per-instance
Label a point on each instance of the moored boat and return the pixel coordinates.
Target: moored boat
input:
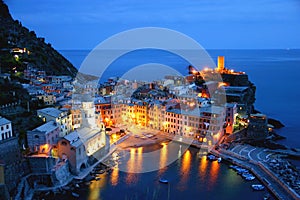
(75, 194)
(162, 180)
(211, 157)
(258, 187)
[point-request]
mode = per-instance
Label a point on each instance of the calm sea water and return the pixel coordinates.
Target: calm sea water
(274, 72)
(190, 177)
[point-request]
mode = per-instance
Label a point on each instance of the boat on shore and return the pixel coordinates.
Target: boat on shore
(211, 157)
(258, 187)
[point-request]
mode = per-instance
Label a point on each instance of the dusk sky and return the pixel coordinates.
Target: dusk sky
(218, 24)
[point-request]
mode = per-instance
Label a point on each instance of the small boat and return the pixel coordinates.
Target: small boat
(267, 196)
(162, 180)
(249, 178)
(258, 187)
(75, 194)
(97, 178)
(219, 160)
(212, 157)
(232, 166)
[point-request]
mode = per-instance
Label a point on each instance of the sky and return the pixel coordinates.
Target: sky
(215, 24)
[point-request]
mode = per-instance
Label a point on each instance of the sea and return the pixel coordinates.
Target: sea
(275, 74)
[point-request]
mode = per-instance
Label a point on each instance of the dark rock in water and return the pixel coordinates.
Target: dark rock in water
(276, 136)
(276, 123)
(267, 144)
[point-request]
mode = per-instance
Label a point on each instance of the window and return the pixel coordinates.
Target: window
(2, 128)
(63, 143)
(7, 126)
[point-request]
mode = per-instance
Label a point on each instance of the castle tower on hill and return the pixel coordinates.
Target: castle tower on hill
(221, 63)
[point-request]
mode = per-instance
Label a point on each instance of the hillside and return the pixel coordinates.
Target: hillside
(15, 37)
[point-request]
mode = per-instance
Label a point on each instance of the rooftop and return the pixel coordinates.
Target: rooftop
(51, 111)
(4, 121)
(47, 127)
(80, 136)
(235, 88)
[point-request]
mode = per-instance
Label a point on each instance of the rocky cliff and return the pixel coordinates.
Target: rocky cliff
(38, 53)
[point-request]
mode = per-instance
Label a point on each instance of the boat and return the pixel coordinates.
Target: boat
(241, 171)
(232, 166)
(258, 187)
(249, 178)
(267, 196)
(219, 160)
(212, 157)
(75, 194)
(162, 180)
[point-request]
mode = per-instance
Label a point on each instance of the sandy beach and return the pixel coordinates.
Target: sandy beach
(143, 140)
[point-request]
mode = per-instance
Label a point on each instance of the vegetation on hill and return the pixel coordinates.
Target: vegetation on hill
(38, 53)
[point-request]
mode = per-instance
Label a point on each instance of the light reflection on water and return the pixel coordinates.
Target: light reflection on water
(185, 169)
(163, 158)
(96, 187)
(189, 177)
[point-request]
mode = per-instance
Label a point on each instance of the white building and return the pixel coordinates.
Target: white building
(5, 130)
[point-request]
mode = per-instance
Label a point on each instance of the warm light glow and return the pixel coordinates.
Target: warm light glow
(222, 84)
(202, 167)
(194, 71)
(214, 171)
(185, 168)
(131, 166)
(206, 69)
(95, 188)
(115, 176)
(204, 140)
(134, 164)
(163, 157)
(217, 136)
(45, 148)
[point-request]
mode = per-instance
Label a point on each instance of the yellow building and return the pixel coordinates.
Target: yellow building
(48, 99)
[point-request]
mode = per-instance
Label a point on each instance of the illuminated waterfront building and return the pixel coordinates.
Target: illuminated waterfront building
(78, 146)
(231, 114)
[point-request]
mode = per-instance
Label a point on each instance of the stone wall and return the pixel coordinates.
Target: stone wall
(3, 192)
(41, 164)
(15, 166)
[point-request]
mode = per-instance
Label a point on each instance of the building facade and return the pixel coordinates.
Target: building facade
(5, 129)
(42, 138)
(62, 117)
